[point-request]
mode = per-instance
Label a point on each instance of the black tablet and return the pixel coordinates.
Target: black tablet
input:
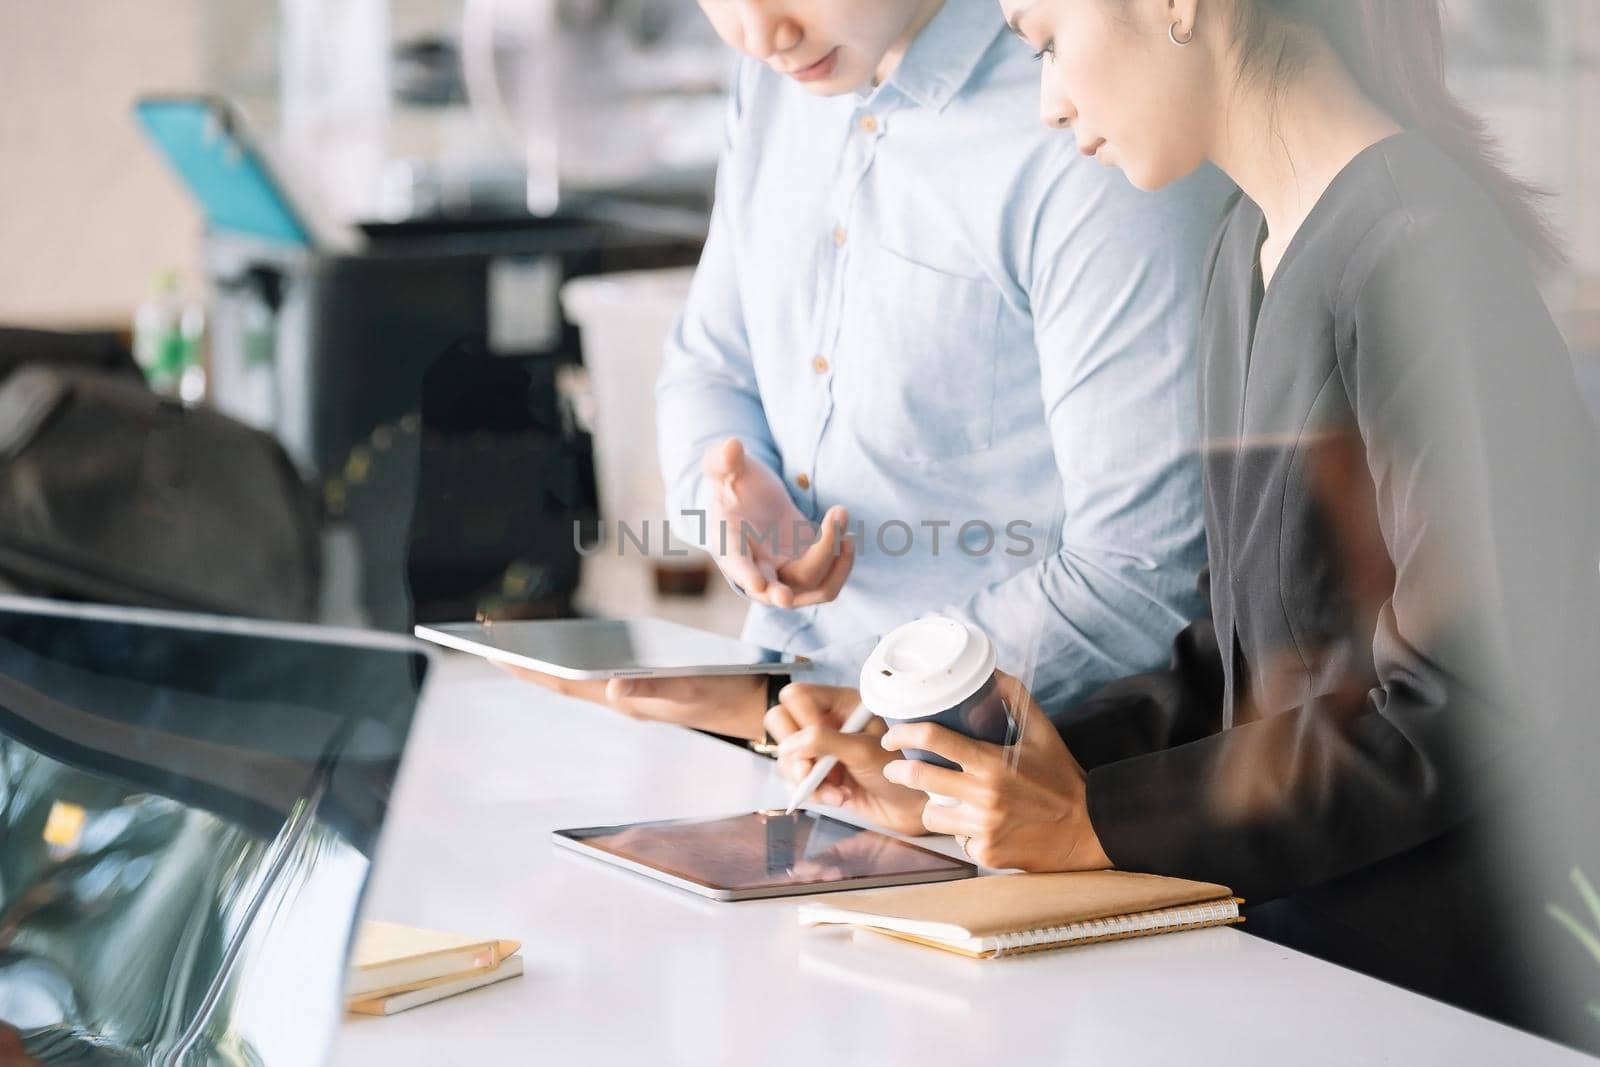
(764, 854)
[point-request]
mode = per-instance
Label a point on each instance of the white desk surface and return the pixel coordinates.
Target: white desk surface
(623, 970)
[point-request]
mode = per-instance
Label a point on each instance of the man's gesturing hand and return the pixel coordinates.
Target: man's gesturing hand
(763, 543)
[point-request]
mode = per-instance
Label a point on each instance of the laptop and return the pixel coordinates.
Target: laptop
(188, 812)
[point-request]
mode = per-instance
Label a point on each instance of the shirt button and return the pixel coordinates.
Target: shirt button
(869, 123)
(840, 235)
(820, 365)
(802, 481)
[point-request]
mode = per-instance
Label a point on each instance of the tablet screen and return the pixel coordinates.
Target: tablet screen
(769, 853)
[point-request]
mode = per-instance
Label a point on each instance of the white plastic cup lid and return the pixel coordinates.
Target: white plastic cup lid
(925, 667)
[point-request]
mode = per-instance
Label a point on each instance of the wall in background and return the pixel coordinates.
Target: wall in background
(88, 213)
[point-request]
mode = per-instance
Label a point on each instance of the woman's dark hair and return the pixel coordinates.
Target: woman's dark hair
(1395, 51)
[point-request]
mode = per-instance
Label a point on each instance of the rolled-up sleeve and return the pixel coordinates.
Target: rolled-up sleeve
(1114, 276)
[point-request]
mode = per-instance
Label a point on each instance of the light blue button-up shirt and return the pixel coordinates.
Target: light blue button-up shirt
(921, 304)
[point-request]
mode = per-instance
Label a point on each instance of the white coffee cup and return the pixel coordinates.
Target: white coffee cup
(941, 670)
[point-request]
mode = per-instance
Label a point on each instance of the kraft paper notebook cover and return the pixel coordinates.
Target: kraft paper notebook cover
(997, 916)
(391, 958)
(438, 989)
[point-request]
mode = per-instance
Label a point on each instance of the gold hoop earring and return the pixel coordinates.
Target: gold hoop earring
(1172, 33)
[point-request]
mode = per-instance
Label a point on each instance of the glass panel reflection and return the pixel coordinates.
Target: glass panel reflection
(186, 818)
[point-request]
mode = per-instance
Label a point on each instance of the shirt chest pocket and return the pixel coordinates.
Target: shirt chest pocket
(916, 357)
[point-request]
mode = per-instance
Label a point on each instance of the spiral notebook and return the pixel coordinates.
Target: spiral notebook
(1009, 914)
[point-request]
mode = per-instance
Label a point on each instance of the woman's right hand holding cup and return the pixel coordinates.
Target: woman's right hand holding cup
(806, 725)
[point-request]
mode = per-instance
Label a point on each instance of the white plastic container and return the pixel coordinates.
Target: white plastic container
(624, 320)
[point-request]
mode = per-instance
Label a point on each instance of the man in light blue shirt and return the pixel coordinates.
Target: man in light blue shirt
(922, 308)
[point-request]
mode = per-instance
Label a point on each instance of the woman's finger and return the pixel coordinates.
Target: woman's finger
(915, 774)
(804, 742)
(794, 768)
(818, 705)
(779, 723)
(803, 703)
(1016, 695)
(1036, 734)
(835, 788)
(973, 756)
(830, 796)
(814, 742)
(956, 820)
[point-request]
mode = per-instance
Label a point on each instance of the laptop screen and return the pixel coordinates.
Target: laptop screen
(188, 808)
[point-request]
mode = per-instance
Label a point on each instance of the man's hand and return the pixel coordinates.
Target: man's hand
(723, 705)
(773, 560)
(1034, 817)
(806, 724)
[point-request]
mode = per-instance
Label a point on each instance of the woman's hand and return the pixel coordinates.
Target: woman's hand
(806, 724)
(1034, 817)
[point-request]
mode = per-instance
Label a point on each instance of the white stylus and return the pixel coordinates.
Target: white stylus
(853, 725)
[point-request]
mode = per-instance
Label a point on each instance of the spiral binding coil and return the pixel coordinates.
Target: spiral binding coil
(1119, 927)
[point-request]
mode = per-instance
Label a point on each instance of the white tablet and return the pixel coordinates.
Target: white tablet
(584, 649)
(764, 854)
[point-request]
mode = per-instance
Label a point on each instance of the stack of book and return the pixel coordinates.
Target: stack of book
(394, 967)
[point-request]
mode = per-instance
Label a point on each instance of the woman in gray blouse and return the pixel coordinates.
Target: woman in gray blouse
(1402, 528)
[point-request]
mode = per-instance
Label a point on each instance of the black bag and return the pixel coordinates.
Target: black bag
(111, 493)
(86, 351)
